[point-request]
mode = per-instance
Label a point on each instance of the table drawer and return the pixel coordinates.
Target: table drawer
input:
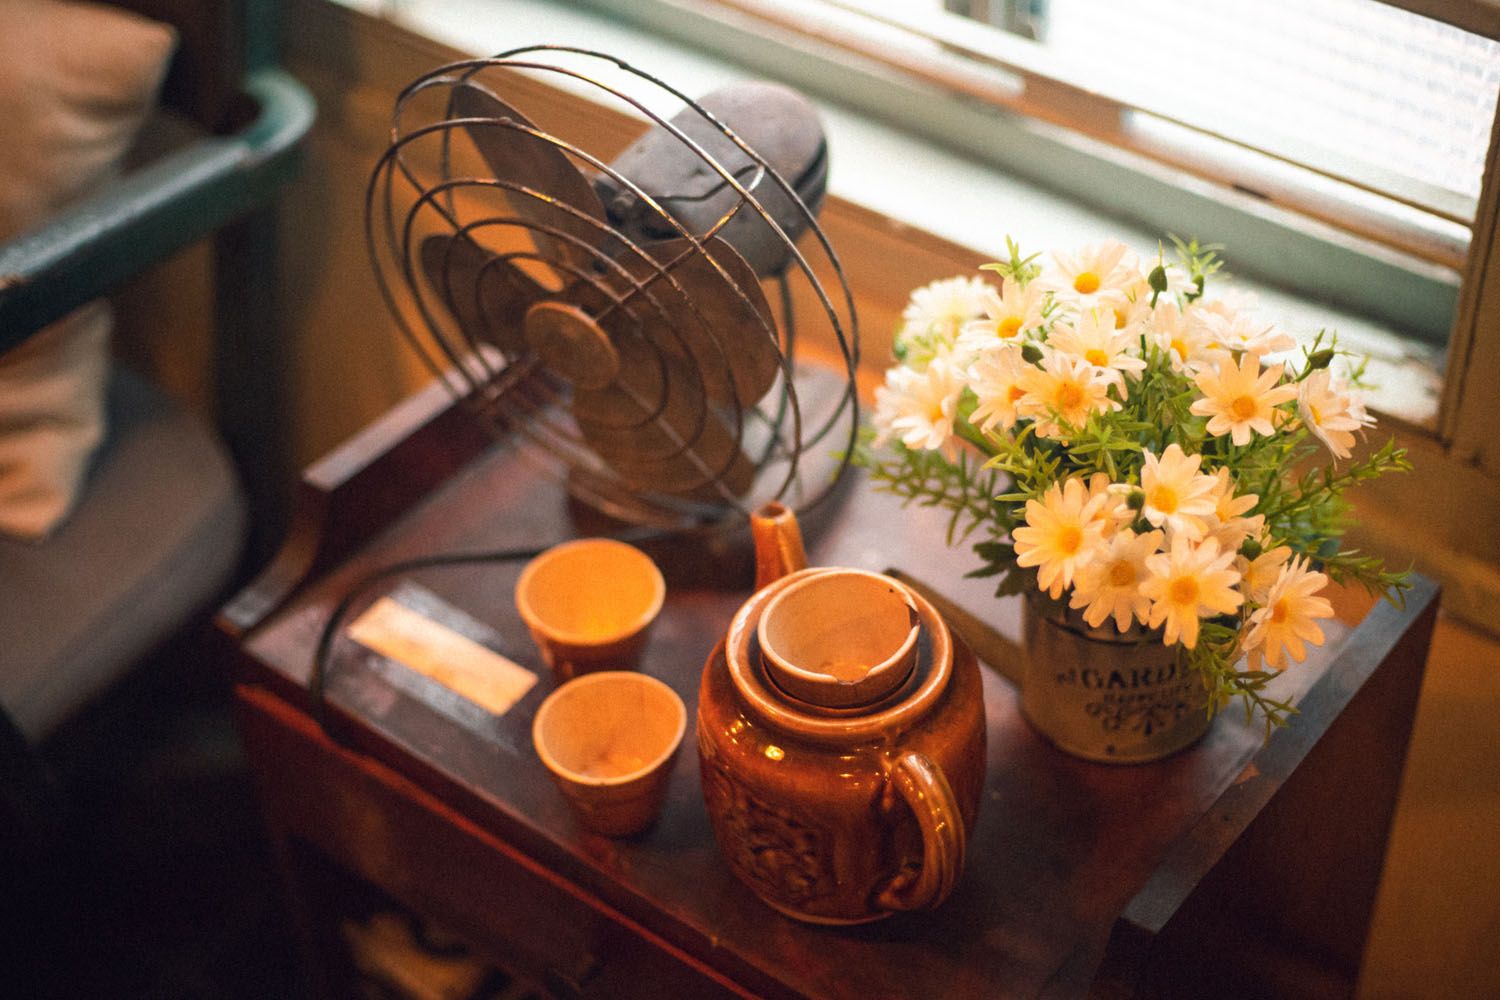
(380, 827)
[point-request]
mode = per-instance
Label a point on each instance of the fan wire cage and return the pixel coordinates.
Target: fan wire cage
(569, 306)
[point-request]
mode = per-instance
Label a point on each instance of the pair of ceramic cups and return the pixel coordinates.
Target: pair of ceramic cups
(608, 734)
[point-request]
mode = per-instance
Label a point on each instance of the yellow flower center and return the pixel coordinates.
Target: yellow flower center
(1094, 356)
(1086, 283)
(935, 412)
(1317, 417)
(1122, 574)
(1179, 348)
(1015, 394)
(1183, 590)
(1119, 319)
(1164, 499)
(1243, 408)
(1280, 612)
(1069, 538)
(1069, 396)
(1008, 327)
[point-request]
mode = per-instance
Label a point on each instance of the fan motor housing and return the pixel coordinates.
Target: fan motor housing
(568, 341)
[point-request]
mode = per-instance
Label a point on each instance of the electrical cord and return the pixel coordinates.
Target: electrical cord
(317, 681)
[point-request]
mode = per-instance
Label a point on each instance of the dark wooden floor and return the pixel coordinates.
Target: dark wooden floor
(158, 882)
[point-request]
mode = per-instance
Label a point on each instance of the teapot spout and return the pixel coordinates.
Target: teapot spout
(778, 543)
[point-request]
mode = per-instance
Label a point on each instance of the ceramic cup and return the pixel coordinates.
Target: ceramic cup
(840, 638)
(609, 739)
(589, 605)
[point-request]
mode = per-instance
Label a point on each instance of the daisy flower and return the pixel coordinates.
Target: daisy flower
(1240, 400)
(938, 311)
(1287, 622)
(1061, 534)
(1094, 338)
(1187, 582)
(1174, 333)
(1129, 312)
(1262, 571)
(1095, 275)
(1226, 328)
(1112, 508)
(918, 407)
(1007, 313)
(1331, 411)
(1063, 389)
(995, 376)
(1110, 585)
(1231, 526)
(1178, 497)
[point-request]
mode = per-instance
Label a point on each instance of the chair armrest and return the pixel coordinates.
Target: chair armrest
(92, 247)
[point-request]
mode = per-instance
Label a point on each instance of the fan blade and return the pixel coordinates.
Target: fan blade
(778, 123)
(517, 157)
(656, 427)
(486, 295)
(719, 324)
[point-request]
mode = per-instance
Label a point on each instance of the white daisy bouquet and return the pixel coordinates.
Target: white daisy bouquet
(1135, 453)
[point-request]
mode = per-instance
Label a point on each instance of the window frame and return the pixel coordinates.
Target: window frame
(982, 116)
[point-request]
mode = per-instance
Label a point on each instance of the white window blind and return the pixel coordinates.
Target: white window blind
(1391, 102)
(1319, 81)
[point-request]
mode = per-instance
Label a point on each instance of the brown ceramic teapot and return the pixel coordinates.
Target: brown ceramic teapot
(841, 736)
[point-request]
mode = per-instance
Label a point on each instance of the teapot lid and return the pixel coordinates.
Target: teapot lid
(764, 700)
(840, 638)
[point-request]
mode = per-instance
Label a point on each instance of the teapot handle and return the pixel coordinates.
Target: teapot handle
(925, 790)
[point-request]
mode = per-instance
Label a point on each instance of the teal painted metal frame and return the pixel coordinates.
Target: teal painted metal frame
(92, 247)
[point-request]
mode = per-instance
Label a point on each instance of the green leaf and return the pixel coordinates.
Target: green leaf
(991, 551)
(1014, 585)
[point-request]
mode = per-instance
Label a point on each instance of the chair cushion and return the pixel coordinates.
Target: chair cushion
(156, 537)
(76, 81)
(51, 419)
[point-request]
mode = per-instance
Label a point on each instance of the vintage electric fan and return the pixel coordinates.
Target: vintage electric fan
(609, 310)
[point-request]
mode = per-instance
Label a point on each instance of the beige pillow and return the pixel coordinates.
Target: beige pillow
(76, 81)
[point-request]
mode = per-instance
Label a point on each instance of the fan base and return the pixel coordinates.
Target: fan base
(721, 557)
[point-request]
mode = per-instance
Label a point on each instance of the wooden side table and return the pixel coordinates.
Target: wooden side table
(1239, 866)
